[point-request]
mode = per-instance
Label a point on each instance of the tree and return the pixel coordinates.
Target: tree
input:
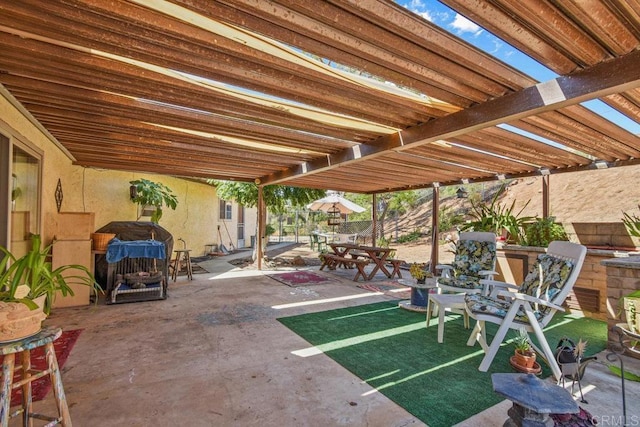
(278, 198)
(388, 205)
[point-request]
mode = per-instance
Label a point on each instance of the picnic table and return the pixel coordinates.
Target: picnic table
(350, 254)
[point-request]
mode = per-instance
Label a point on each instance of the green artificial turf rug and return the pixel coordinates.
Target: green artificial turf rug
(391, 349)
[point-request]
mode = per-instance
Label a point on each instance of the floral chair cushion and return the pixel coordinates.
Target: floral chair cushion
(544, 281)
(473, 256)
(464, 282)
(547, 277)
(497, 307)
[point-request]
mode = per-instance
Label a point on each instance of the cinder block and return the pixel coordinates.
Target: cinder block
(610, 228)
(630, 272)
(631, 284)
(616, 272)
(614, 282)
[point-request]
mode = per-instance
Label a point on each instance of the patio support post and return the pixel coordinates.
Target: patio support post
(374, 219)
(434, 227)
(261, 226)
(545, 196)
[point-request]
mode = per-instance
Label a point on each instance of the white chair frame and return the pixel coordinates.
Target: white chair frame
(560, 249)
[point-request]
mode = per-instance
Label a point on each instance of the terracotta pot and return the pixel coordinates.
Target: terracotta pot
(17, 321)
(526, 360)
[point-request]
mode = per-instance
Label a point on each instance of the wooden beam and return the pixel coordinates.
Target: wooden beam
(594, 82)
(545, 196)
(435, 213)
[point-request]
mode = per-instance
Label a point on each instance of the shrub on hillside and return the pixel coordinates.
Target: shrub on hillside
(411, 237)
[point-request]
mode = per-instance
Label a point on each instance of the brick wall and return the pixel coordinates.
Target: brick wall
(602, 235)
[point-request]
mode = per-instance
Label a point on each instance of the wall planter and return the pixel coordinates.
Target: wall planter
(631, 308)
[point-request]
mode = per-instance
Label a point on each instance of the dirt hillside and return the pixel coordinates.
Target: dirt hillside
(589, 196)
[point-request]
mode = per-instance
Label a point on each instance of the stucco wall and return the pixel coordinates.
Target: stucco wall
(106, 192)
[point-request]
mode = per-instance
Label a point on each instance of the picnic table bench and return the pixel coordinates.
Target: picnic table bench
(395, 264)
(332, 261)
(392, 262)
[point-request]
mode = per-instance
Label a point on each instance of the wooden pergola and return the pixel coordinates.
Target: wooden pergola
(250, 91)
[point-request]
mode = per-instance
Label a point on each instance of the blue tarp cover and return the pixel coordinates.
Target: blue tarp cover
(118, 249)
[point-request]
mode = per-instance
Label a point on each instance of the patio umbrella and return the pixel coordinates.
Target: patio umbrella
(334, 201)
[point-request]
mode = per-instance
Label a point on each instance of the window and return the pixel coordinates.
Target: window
(225, 209)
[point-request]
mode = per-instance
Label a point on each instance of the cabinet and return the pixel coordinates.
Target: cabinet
(72, 252)
(72, 245)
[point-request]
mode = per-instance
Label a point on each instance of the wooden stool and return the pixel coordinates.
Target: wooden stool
(43, 338)
(182, 253)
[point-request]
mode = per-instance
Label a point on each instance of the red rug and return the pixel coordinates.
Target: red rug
(299, 278)
(41, 386)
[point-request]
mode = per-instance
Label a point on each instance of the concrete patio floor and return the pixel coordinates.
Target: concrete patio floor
(212, 354)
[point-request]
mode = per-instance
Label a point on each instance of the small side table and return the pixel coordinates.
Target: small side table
(419, 294)
(443, 302)
(45, 338)
(180, 254)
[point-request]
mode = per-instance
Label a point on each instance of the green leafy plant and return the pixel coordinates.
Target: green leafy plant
(632, 223)
(496, 218)
(269, 230)
(543, 231)
(418, 271)
(521, 342)
(448, 220)
(149, 193)
(36, 273)
(411, 237)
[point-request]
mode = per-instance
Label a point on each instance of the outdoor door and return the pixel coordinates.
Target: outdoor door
(20, 190)
(240, 226)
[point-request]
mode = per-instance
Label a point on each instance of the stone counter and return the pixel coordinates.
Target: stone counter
(623, 277)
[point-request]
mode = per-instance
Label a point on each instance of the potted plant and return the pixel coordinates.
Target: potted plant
(524, 356)
(497, 219)
(28, 287)
(542, 231)
(152, 194)
(418, 272)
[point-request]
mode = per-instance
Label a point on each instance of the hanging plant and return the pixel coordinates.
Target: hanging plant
(153, 194)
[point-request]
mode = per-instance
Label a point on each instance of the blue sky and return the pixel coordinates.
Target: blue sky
(456, 24)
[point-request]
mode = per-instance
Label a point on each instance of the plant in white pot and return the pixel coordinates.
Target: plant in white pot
(29, 285)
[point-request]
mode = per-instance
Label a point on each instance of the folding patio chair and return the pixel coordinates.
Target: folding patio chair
(318, 242)
(475, 259)
(531, 305)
